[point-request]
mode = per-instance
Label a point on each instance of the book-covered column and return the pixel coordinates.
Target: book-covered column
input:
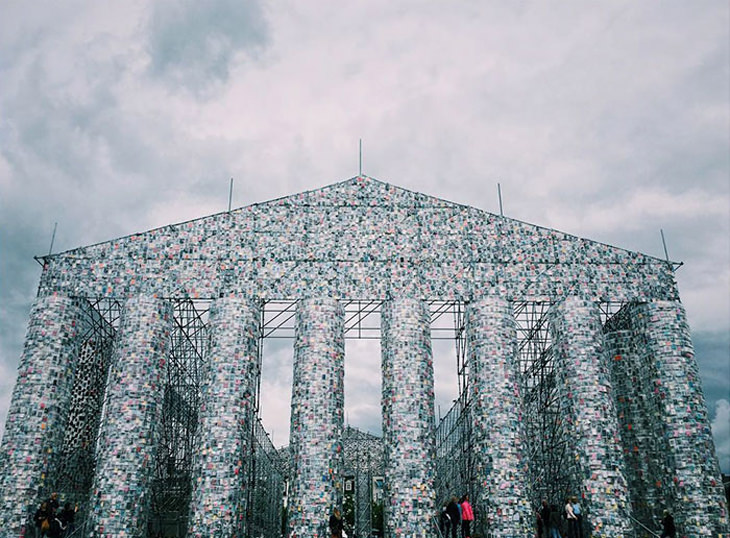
(638, 414)
(36, 419)
(125, 459)
(589, 417)
(408, 418)
(692, 483)
(317, 416)
(500, 463)
(225, 421)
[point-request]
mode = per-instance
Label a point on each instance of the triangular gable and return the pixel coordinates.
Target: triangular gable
(360, 231)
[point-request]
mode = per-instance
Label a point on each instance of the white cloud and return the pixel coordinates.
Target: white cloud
(721, 434)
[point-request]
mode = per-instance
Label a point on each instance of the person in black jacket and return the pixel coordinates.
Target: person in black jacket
(55, 527)
(544, 514)
(668, 528)
(336, 524)
(68, 517)
(554, 525)
(444, 522)
(39, 517)
(52, 502)
(455, 514)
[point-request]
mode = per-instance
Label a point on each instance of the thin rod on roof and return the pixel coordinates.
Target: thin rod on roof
(360, 172)
(499, 193)
(230, 195)
(664, 243)
(53, 238)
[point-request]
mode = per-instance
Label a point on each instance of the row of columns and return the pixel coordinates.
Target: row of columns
(121, 488)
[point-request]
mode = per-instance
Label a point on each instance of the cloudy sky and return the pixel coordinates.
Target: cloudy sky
(609, 121)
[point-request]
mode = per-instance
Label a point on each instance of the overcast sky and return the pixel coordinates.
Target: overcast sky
(607, 120)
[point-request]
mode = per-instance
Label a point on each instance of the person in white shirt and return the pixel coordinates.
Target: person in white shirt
(571, 519)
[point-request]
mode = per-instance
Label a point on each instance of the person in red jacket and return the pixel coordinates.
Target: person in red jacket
(467, 516)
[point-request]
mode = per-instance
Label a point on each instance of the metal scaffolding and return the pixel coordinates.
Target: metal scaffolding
(268, 471)
(171, 487)
(547, 446)
(363, 464)
(97, 330)
(266, 488)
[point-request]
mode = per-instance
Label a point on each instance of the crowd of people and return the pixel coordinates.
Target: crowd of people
(552, 523)
(53, 522)
(457, 515)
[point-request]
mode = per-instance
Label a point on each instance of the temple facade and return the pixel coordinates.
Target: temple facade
(137, 389)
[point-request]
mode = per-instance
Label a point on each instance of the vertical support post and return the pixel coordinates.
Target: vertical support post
(589, 416)
(408, 418)
(692, 481)
(121, 492)
(225, 422)
(36, 420)
(317, 416)
(500, 462)
(499, 193)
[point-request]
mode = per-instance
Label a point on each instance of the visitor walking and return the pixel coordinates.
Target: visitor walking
(570, 519)
(455, 514)
(554, 522)
(52, 503)
(68, 517)
(668, 528)
(544, 519)
(467, 516)
(41, 516)
(336, 524)
(578, 517)
(55, 527)
(445, 522)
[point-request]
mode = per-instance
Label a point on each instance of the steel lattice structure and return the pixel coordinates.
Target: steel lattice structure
(138, 387)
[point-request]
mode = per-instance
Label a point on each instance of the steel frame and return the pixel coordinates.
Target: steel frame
(363, 452)
(363, 460)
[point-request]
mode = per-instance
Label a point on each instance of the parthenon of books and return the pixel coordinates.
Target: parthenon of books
(137, 394)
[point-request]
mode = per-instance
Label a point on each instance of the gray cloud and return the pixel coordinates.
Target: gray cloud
(194, 44)
(721, 431)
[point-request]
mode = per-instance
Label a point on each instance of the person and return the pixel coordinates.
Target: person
(53, 502)
(554, 522)
(55, 527)
(39, 517)
(668, 528)
(68, 517)
(544, 519)
(454, 513)
(336, 524)
(578, 517)
(445, 522)
(570, 518)
(467, 516)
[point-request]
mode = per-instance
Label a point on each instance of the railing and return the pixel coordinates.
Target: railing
(436, 525)
(647, 529)
(78, 532)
